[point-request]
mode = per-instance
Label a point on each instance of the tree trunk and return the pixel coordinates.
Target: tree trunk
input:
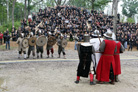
(25, 9)
(13, 5)
(59, 2)
(7, 11)
(113, 6)
(28, 7)
(52, 3)
(115, 15)
(92, 3)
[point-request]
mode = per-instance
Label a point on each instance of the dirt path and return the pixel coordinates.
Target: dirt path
(60, 76)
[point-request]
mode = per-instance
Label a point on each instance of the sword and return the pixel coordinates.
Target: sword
(98, 36)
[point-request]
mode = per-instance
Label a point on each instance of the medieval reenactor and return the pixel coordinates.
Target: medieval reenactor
(40, 42)
(32, 43)
(62, 43)
(50, 43)
(96, 41)
(106, 66)
(120, 49)
(85, 50)
(21, 41)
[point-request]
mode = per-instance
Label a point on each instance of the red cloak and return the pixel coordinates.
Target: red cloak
(107, 58)
(117, 59)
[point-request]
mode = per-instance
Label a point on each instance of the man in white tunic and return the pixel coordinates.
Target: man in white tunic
(96, 41)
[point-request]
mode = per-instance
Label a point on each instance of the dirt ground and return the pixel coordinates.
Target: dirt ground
(59, 76)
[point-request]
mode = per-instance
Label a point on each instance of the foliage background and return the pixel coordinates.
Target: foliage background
(130, 8)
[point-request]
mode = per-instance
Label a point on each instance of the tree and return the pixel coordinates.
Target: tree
(89, 4)
(101, 3)
(115, 15)
(50, 3)
(113, 6)
(25, 8)
(130, 8)
(19, 11)
(7, 10)
(13, 6)
(32, 4)
(60, 2)
(3, 15)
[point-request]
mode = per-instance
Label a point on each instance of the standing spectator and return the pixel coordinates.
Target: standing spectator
(22, 24)
(7, 31)
(122, 39)
(65, 35)
(8, 41)
(14, 36)
(125, 42)
(131, 41)
(4, 36)
(29, 18)
(1, 36)
(34, 17)
(71, 37)
(137, 42)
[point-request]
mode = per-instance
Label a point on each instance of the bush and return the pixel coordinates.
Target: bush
(4, 27)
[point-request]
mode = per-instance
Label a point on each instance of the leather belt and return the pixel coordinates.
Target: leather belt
(116, 54)
(97, 52)
(107, 54)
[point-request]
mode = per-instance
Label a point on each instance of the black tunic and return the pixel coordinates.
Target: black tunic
(85, 60)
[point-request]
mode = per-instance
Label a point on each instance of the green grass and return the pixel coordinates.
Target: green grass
(3, 47)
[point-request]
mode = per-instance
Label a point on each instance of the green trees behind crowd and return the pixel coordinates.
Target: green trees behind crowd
(12, 11)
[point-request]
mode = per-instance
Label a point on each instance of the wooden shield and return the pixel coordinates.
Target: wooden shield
(51, 41)
(25, 43)
(41, 41)
(64, 43)
(32, 41)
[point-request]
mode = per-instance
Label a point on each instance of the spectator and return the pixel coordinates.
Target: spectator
(8, 41)
(71, 37)
(72, 20)
(125, 42)
(4, 36)
(1, 37)
(131, 42)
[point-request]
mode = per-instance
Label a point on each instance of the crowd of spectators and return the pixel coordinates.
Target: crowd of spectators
(71, 21)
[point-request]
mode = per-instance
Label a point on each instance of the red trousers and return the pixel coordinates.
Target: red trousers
(48, 51)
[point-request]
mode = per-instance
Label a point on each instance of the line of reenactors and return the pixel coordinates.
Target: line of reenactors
(39, 41)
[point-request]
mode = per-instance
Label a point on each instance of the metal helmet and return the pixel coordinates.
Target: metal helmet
(108, 34)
